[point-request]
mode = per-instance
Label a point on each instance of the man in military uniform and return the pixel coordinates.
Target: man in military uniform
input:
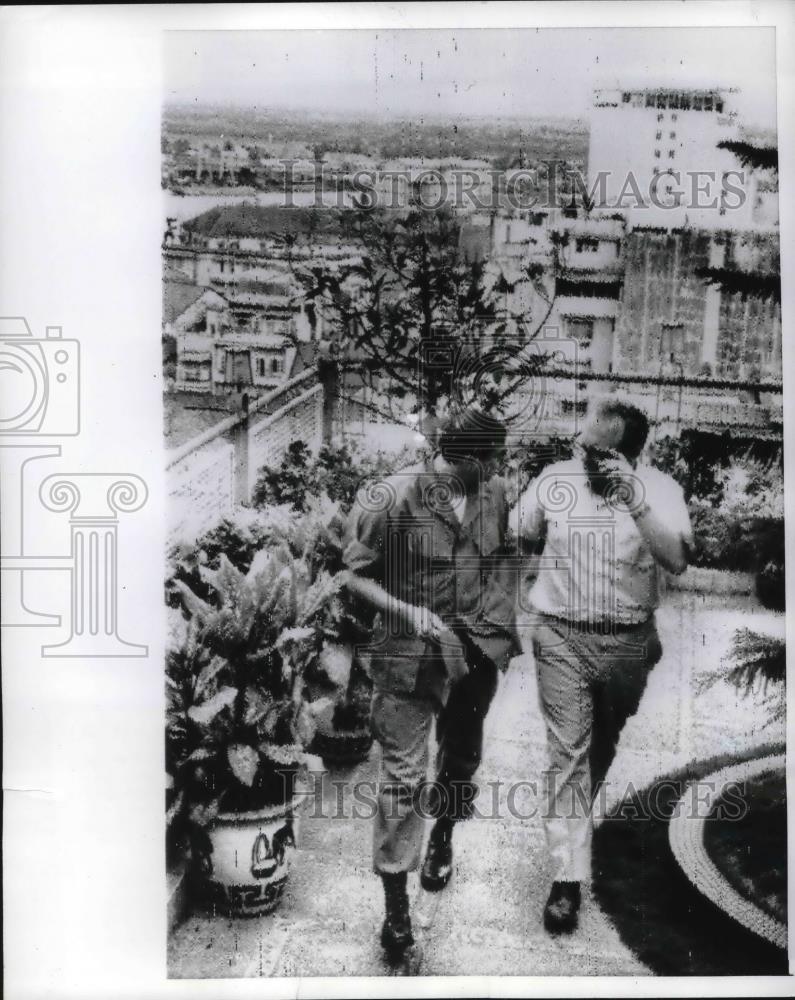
(427, 549)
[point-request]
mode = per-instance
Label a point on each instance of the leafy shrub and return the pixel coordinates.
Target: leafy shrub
(253, 659)
(755, 662)
(740, 526)
(290, 482)
(336, 472)
(238, 538)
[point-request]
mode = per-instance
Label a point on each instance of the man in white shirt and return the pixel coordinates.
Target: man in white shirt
(607, 524)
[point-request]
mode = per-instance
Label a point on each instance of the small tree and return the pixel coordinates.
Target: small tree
(406, 291)
(756, 284)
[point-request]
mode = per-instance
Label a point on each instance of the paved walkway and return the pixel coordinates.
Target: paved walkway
(488, 920)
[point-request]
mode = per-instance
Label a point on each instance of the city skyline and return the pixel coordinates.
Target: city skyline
(465, 73)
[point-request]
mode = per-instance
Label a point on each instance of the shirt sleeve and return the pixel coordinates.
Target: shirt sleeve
(526, 519)
(365, 535)
(681, 515)
(669, 501)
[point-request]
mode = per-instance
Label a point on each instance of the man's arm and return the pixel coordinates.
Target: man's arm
(662, 518)
(364, 558)
(667, 544)
(526, 519)
(422, 621)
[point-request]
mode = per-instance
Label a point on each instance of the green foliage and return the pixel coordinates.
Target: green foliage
(755, 664)
(696, 462)
(407, 287)
(337, 473)
(755, 157)
(238, 538)
(289, 483)
(736, 505)
(254, 656)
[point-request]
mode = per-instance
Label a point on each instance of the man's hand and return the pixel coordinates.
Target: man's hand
(625, 487)
(424, 622)
(667, 545)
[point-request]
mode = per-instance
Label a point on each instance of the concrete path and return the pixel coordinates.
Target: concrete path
(488, 920)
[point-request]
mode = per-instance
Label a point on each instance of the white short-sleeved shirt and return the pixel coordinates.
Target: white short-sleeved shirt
(596, 566)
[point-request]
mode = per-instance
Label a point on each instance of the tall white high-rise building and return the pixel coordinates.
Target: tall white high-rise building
(655, 153)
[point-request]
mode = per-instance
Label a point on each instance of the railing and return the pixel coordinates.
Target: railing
(556, 403)
(211, 473)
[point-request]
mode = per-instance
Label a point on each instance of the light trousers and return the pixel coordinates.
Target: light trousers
(589, 683)
(401, 723)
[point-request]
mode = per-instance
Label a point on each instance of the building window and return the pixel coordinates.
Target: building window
(586, 244)
(656, 171)
(698, 103)
(625, 97)
(674, 118)
(579, 329)
(649, 100)
(658, 135)
(672, 135)
(656, 154)
(273, 364)
(660, 117)
(719, 106)
(670, 154)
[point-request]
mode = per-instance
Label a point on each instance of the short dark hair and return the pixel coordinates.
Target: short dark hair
(471, 434)
(636, 424)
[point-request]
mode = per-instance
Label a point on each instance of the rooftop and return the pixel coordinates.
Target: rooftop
(250, 220)
(188, 414)
(177, 296)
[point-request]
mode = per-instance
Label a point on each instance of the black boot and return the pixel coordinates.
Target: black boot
(396, 934)
(560, 913)
(438, 866)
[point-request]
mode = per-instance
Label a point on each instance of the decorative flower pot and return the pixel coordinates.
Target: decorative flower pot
(250, 859)
(343, 746)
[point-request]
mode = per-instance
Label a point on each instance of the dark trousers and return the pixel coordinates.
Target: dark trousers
(401, 723)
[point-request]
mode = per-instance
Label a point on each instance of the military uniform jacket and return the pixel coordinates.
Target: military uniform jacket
(403, 533)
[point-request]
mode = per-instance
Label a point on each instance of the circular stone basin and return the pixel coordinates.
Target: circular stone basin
(751, 850)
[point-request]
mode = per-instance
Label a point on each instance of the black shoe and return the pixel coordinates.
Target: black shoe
(396, 934)
(560, 913)
(438, 865)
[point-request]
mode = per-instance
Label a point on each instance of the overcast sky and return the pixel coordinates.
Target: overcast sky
(497, 72)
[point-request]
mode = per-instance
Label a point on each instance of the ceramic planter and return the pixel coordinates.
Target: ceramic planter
(343, 747)
(250, 859)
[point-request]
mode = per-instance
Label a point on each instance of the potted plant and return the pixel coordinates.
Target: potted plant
(342, 733)
(245, 683)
